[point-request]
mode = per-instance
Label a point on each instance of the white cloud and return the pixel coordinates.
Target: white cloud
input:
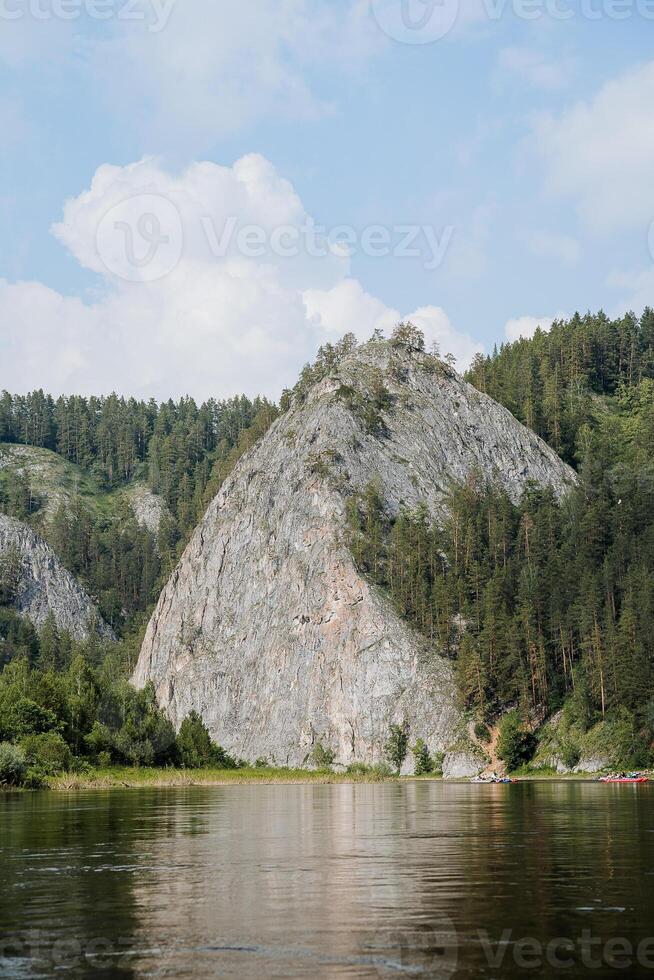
(437, 328)
(601, 153)
(193, 318)
(526, 326)
(348, 308)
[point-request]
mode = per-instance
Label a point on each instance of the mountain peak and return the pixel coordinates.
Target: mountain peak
(266, 626)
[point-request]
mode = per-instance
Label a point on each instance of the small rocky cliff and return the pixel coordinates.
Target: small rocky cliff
(41, 585)
(266, 626)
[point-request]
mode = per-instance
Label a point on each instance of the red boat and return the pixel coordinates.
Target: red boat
(624, 779)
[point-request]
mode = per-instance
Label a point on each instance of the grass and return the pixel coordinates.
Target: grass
(119, 777)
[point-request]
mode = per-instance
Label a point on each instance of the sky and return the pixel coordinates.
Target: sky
(195, 194)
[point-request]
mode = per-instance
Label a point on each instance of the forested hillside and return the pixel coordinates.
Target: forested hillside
(65, 703)
(546, 604)
(542, 604)
(554, 381)
(183, 452)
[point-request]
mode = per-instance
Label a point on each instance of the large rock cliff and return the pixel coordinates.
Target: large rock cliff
(41, 585)
(266, 627)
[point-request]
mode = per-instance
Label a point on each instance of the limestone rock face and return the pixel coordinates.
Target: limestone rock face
(462, 765)
(45, 586)
(266, 626)
(149, 508)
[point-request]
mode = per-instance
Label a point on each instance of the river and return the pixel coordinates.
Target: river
(425, 879)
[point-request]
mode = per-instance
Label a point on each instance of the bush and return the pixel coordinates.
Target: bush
(379, 771)
(482, 732)
(424, 763)
(221, 760)
(34, 778)
(195, 750)
(629, 750)
(193, 742)
(99, 740)
(137, 732)
(408, 335)
(26, 717)
(48, 753)
(515, 745)
(397, 745)
(321, 757)
(570, 755)
(13, 765)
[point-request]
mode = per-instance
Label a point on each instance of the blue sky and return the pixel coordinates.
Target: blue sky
(523, 142)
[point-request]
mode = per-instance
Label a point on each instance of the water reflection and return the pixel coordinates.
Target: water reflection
(426, 879)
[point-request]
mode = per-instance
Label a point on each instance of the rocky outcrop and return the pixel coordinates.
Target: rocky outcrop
(266, 626)
(149, 509)
(462, 764)
(48, 474)
(41, 585)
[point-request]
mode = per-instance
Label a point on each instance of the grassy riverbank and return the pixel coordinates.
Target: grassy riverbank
(132, 778)
(128, 778)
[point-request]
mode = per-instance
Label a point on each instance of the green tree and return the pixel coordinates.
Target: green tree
(408, 335)
(515, 744)
(424, 763)
(397, 745)
(13, 765)
(11, 571)
(194, 746)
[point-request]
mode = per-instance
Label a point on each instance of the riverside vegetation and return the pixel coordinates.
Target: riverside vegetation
(546, 607)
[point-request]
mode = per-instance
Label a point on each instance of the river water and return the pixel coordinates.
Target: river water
(412, 879)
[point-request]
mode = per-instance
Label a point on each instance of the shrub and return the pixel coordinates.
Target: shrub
(423, 761)
(570, 755)
(195, 750)
(629, 750)
(379, 771)
(194, 743)
(482, 732)
(34, 778)
(99, 740)
(26, 717)
(408, 335)
(133, 749)
(221, 759)
(321, 757)
(13, 765)
(397, 745)
(138, 733)
(515, 745)
(48, 753)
